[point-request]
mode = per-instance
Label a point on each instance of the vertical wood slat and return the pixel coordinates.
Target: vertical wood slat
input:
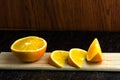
(92, 15)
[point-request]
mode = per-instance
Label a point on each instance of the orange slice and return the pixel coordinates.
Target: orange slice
(29, 49)
(94, 52)
(76, 57)
(58, 58)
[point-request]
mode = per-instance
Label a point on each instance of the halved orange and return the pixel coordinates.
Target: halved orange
(76, 57)
(58, 58)
(29, 49)
(94, 52)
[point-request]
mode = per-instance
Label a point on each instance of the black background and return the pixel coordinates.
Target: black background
(65, 40)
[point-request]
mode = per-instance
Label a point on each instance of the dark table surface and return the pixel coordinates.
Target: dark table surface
(65, 40)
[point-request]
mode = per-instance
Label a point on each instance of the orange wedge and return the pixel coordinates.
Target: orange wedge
(94, 52)
(29, 49)
(58, 58)
(76, 57)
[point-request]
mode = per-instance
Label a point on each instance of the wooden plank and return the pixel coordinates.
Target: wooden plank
(111, 62)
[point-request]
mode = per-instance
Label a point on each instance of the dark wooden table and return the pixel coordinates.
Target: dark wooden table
(65, 40)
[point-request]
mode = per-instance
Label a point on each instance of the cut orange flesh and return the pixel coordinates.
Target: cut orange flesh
(58, 58)
(94, 52)
(76, 57)
(29, 49)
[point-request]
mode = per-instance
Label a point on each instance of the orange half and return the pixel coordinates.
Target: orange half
(29, 49)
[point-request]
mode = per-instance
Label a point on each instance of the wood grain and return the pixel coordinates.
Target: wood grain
(110, 63)
(88, 15)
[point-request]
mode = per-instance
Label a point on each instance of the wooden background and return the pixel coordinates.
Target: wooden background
(90, 15)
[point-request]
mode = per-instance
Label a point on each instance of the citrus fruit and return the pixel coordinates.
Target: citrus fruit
(58, 58)
(76, 57)
(94, 52)
(29, 49)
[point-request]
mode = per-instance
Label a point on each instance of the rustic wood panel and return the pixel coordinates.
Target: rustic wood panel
(92, 15)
